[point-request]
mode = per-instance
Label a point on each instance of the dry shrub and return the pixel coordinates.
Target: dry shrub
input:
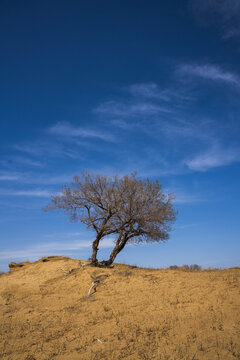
(193, 267)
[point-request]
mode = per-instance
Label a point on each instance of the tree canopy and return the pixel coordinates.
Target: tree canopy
(132, 209)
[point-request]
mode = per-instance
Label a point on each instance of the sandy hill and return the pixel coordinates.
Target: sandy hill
(134, 313)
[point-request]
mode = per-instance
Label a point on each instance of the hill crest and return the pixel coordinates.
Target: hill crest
(47, 312)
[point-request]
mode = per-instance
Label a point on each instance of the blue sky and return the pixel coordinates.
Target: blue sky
(116, 87)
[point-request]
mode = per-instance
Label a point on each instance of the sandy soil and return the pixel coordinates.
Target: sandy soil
(135, 313)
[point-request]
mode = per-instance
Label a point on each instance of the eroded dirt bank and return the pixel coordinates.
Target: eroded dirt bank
(135, 313)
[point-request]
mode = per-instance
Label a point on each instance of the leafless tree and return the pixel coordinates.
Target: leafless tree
(129, 207)
(144, 213)
(89, 200)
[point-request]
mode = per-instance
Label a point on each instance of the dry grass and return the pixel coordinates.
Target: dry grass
(134, 314)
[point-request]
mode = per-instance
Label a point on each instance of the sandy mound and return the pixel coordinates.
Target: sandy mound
(134, 313)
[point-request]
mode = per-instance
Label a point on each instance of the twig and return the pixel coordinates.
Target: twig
(93, 286)
(96, 280)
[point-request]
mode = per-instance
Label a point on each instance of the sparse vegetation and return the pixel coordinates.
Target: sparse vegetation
(134, 210)
(135, 313)
(193, 267)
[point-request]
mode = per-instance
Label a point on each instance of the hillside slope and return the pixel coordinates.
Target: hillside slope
(135, 313)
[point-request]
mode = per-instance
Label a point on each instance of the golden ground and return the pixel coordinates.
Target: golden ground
(134, 314)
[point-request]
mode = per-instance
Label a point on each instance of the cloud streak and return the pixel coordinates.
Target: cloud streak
(66, 129)
(148, 90)
(7, 176)
(183, 198)
(28, 193)
(37, 179)
(46, 149)
(209, 72)
(214, 157)
(129, 109)
(185, 130)
(224, 14)
(52, 248)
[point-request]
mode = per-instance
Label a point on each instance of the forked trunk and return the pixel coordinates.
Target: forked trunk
(118, 247)
(112, 256)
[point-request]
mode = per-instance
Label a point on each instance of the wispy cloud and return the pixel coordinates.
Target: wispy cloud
(26, 161)
(170, 128)
(66, 235)
(123, 124)
(46, 149)
(230, 33)
(149, 90)
(21, 160)
(7, 176)
(127, 109)
(182, 198)
(66, 129)
(186, 130)
(214, 157)
(209, 72)
(46, 178)
(224, 14)
(32, 193)
(153, 92)
(52, 248)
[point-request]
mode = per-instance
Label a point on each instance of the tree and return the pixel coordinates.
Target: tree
(133, 209)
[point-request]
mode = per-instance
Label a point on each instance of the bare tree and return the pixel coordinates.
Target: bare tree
(133, 209)
(144, 213)
(89, 200)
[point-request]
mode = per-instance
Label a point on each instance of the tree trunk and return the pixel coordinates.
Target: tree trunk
(95, 243)
(118, 247)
